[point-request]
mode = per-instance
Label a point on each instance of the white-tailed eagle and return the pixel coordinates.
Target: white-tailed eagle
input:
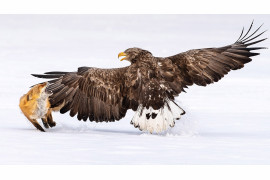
(148, 86)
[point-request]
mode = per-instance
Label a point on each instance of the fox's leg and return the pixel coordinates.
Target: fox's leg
(50, 119)
(45, 122)
(35, 123)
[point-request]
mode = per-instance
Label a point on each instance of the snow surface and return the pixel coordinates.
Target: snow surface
(226, 123)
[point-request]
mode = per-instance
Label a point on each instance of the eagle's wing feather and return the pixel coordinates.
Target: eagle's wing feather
(209, 65)
(97, 94)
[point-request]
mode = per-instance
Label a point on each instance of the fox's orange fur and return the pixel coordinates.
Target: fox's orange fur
(35, 105)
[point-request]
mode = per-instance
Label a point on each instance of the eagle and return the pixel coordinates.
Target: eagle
(148, 85)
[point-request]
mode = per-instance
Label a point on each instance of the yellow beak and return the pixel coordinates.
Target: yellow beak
(122, 54)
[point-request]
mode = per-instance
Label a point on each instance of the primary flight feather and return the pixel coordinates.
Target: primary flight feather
(148, 86)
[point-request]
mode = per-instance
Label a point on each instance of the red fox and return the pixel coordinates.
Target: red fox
(35, 105)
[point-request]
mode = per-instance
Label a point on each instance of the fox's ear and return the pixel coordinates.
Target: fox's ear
(44, 84)
(40, 86)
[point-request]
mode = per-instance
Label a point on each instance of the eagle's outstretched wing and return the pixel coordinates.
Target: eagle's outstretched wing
(205, 66)
(97, 94)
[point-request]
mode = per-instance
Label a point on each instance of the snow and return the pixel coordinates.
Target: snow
(225, 123)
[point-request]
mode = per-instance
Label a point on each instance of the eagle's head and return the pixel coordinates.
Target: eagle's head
(133, 54)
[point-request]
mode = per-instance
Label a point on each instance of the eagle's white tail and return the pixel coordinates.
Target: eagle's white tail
(157, 120)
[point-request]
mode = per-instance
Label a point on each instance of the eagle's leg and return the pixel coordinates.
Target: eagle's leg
(183, 113)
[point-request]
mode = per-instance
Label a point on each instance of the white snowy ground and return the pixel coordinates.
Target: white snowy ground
(226, 123)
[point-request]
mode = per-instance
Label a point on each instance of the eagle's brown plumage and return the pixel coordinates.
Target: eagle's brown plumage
(148, 85)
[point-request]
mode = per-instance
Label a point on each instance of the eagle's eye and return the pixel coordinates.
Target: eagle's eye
(130, 54)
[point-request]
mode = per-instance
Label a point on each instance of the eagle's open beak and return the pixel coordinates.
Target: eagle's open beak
(122, 54)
